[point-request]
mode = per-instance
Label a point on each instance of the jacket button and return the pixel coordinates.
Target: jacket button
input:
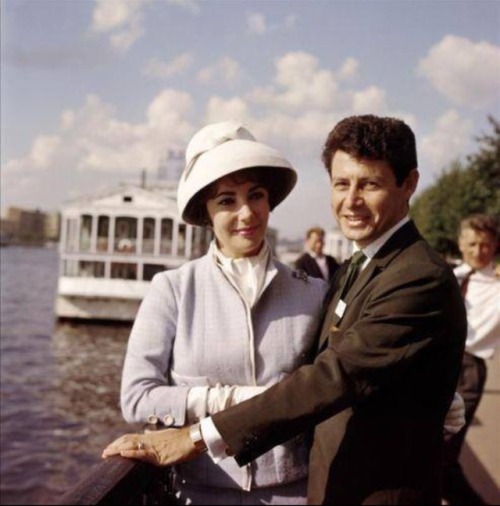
(168, 420)
(152, 419)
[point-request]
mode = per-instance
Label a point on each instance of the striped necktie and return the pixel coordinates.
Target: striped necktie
(355, 264)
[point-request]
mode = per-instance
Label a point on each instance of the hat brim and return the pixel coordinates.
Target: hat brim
(227, 159)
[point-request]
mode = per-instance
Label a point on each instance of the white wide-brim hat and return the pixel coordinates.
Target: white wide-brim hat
(220, 149)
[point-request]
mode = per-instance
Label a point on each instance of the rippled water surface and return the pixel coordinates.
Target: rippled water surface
(59, 384)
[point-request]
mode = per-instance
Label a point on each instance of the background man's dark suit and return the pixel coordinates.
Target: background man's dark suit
(379, 388)
(309, 265)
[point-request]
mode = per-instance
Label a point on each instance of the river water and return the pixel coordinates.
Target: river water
(59, 394)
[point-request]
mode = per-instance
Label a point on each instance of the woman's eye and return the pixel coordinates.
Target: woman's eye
(225, 202)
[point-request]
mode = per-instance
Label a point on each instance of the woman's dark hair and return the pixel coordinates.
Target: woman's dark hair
(374, 138)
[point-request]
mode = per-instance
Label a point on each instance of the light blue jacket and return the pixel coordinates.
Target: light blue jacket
(194, 329)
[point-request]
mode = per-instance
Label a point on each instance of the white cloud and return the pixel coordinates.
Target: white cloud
(349, 69)
(109, 15)
(256, 23)
(449, 141)
(220, 109)
(42, 154)
(467, 73)
(43, 150)
(226, 70)
(372, 100)
(299, 85)
(122, 20)
(164, 70)
(92, 138)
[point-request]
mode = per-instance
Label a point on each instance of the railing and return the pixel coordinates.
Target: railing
(118, 480)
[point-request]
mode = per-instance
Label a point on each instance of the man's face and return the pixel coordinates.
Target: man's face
(477, 248)
(315, 243)
(365, 198)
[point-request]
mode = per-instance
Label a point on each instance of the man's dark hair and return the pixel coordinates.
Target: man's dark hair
(374, 138)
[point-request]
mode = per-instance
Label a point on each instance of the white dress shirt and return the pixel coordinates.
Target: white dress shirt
(482, 302)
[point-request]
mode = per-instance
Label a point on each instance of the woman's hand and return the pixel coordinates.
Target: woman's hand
(160, 448)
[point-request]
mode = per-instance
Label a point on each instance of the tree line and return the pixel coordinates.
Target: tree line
(463, 188)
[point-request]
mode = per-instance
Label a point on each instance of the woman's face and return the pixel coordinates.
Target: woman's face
(239, 213)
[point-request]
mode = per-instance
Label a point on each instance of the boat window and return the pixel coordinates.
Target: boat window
(125, 234)
(102, 233)
(167, 228)
(127, 198)
(148, 236)
(85, 232)
(121, 270)
(150, 270)
(90, 269)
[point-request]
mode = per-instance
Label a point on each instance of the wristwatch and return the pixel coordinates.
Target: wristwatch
(197, 438)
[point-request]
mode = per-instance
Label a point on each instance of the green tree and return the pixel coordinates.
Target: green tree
(462, 189)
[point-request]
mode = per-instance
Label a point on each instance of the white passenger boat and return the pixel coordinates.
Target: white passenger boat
(113, 244)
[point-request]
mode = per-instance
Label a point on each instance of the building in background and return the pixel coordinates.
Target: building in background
(337, 245)
(25, 227)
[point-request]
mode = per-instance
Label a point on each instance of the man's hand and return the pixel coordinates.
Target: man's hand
(160, 448)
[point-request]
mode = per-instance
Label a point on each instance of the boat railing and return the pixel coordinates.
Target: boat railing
(118, 480)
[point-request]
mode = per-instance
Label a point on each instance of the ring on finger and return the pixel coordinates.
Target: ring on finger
(140, 445)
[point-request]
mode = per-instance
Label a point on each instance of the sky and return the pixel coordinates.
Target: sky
(93, 92)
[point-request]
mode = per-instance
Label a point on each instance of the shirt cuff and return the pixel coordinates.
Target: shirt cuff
(215, 444)
(196, 404)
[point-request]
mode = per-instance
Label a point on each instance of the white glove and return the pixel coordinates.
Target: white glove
(205, 401)
(455, 418)
(241, 394)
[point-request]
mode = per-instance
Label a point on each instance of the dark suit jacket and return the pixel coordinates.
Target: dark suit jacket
(309, 265)
(379, 388)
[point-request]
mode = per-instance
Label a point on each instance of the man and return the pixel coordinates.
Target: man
(389, 349)
(313, 261)
(480, 286)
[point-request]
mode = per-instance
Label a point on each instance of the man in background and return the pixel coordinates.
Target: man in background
(480, 287)
(313, 261)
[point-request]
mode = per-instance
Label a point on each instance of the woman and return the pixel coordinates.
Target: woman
(223, 327)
